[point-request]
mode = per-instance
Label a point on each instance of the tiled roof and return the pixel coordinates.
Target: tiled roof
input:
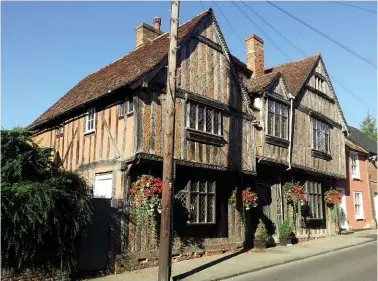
(356, 136)
(260, 83)
(123, 71)
(295, 73)
(354, 146)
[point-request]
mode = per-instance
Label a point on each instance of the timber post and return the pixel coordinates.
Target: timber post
(165, 247)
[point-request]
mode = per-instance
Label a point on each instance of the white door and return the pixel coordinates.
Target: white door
(343, 223)
(103, 185)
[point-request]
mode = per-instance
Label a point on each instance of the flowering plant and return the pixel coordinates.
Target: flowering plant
(294, 193)
(146, 191)
(249, 198)
(332, 197)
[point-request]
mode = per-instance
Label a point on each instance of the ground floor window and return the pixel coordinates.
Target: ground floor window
(358, 207)
(314, 198)
(198, 197)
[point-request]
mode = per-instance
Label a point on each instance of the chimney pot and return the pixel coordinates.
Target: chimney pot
(255, 54)
(157, 23)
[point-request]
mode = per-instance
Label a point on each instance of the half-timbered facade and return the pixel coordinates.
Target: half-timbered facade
(111, 125)
(301, 135)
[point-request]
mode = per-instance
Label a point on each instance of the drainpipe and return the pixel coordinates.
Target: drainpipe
(291, 97)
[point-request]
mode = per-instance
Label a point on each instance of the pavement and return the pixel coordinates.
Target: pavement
(225, 266)
(357, 263)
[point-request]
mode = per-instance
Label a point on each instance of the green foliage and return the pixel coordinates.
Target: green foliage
(286, 230)
(44, 211)
(261, 232)
(369, 126)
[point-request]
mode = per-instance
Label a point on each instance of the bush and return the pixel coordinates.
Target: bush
(261, 232)
(44, 210)
(286, 230)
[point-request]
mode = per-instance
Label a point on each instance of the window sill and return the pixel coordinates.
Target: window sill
(360, 219)
(200, 223)
(204, 137)
(321, 154)
(121, 116)
(89, 132)
(277, 141)
(356, 179)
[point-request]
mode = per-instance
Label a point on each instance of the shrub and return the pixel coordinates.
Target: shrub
(261, 232)
(44, 210)
(285, 230)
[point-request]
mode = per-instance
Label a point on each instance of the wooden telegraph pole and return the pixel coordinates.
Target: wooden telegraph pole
(165, 249)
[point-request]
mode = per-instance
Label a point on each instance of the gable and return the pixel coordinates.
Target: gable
(280, 88)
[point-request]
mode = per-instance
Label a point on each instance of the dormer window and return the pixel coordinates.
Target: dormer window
(320, 84)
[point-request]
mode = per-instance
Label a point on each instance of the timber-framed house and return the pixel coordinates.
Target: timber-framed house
(236, 125)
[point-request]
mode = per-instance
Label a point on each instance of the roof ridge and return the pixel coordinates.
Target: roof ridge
(286, 63)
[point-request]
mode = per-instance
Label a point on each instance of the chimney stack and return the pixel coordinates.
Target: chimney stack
(255, 54)
(157, 23)
(146, 33)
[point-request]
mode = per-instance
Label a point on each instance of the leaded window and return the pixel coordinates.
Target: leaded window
(320, 136)
(198, 197)
(277, 119)
(314, 199)
(204, 118)
(320, 84)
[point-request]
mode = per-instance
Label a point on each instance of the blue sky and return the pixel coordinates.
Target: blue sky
(48, 47)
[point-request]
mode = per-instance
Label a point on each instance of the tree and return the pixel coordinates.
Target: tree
(369, 127)
(44, 212)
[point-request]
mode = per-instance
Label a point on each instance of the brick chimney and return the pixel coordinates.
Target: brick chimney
(146, 33)
(255, 54)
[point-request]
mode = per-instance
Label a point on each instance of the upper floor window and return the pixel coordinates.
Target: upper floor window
(59, 131)
(121, 109)
(354, 165)
(277, 124)
(90, 120)
(320, 136)
(130, 108)
(320, 84)
(198, 197)
(205, 119)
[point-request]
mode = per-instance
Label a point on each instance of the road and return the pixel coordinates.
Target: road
(354, 264)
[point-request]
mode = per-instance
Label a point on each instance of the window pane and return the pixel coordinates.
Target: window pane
(220, 130)
(192, 115)
(216, 123)
(277, 108)
(270, 106)
(194, 186)
(121, 109)
(270, 123)
(285, 110)
(202, 208)
(131, 106)
(193, 207)
(284, 128)
(209, 120)
(202, 186)
(210, 208)
(277, 123)
(201, 122)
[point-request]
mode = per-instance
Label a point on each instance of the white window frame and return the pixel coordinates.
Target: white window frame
(130, 101)
(216, 127)
(88, 121)
(359, 216)
(99, 193)
(121, 106)
(353, 156)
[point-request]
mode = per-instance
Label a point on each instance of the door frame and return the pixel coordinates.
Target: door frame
(342, 191)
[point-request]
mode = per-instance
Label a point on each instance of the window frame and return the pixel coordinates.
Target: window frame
(87, 121)
(130, 102)
(315, 123)
(320, 84)
(361, 216)
(216, 118)
(188, 192)
(353, 154)
(280, 115)
(314, 197)
(121, 109)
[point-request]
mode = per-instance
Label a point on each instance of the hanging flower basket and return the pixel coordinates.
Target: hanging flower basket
(249, 198)
(332, 197)
(294, 193)
(146, 195)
